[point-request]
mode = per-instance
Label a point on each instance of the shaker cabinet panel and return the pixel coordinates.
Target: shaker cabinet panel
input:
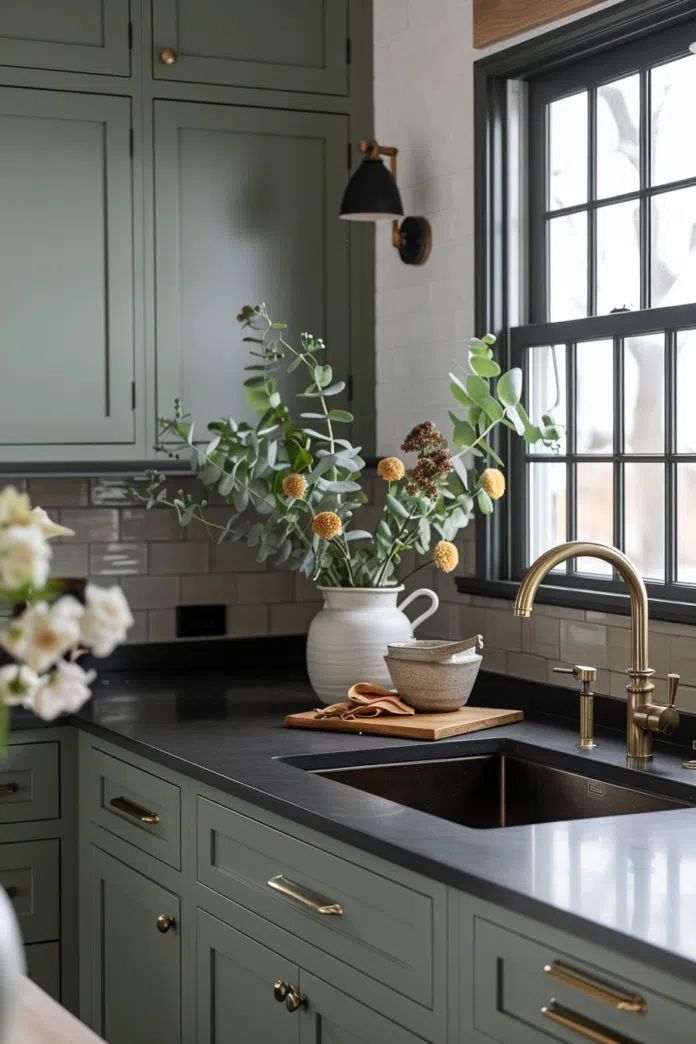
(66, 278)
(235, 980)
(245, 210)
(135, 968)
(332, 1017)
(298, 46)
(73, 35)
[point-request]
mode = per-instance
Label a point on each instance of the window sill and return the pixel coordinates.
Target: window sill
(575, 598)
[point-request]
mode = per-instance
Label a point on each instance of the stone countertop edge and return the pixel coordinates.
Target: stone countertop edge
(167, 723)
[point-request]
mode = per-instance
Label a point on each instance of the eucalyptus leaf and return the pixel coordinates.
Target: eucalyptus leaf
(509, 387)
(484, 502)
(484, 367)
(395, 506)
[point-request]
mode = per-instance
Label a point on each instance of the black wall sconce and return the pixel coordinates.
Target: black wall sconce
(373, 195)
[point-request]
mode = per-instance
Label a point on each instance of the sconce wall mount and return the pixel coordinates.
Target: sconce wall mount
(372, 194)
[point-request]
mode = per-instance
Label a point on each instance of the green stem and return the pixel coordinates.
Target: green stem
(392, 551)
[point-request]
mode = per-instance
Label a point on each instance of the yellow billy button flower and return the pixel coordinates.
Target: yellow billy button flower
(327, 524)
(391, 469)
(294, 485)
(445, 556)
(493, 482)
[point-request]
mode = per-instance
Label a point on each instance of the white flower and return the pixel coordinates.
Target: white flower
(18, 683)
(15, 507)
(106, 620)
(63, 692)
(24, 557)
(44, 632)
(48, 527)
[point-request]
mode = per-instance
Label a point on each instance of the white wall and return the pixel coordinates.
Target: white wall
(424, 106)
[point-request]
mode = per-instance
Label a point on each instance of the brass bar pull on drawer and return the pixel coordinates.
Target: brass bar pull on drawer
(141, 814)
(607, 994)
(302, 895)
(9, 788)
(585, 1029)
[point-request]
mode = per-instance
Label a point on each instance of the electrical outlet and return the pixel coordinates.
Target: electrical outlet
(200, 621)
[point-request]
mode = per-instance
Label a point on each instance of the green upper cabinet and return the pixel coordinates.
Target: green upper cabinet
(66, 272)
(245, 211)
(74, 35)
(298, 46)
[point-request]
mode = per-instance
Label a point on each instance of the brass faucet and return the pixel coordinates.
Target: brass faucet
(644, 716)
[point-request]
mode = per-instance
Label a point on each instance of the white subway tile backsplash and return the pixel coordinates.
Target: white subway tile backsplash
(151, 592)
(118, 559)
(234, 558)
(162, 625)
(247, 621)
(264, 588)
(583, 643)
(541, 635)
(155, 524)
(292, 618)
(209, 589)
(58, 492)
(525, 665)
(178, 557)
(70, 558)
(91, 523)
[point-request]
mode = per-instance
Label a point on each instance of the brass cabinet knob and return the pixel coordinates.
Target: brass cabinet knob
(167, 56)
(164, 923)
(280, 990)
(294, 999)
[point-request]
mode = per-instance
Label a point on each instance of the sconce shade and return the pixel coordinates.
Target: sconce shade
(371, 194)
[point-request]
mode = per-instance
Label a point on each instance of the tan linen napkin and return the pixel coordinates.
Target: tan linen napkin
(366, 700)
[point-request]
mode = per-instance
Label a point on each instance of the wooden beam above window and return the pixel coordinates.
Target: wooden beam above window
(496, 20)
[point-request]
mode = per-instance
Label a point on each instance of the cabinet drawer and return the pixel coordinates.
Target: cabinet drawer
(517, 1001)
(135, 805)
(43, 966)
(29, 782)
(373, 923)
(30, 876)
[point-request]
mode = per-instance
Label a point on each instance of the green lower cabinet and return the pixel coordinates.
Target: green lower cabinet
(43, 966)
(135, 965)
(241, 984)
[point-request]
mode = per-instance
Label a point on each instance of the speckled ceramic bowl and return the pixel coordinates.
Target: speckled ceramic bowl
(434, 687)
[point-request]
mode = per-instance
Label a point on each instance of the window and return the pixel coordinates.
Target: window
(606, 323)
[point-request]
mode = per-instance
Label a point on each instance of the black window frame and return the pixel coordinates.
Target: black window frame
(634, 22)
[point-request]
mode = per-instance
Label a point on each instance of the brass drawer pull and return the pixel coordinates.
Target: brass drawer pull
(141, 814)
(585, 1029)
(616, 998)
(9, 788)
(164, 923)
(168, 56)
(301, 895)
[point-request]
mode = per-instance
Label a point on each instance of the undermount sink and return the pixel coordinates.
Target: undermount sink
(497, 790)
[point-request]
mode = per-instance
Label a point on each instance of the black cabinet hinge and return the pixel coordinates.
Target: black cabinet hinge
(132, 395)
(130, 36)
(130, 141)
(349, 50)
(349, 387)
(349, 155)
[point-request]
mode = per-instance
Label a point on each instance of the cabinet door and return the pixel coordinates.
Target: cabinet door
(235, 977)
(66, 282)
(75, 35)
(329, 1016)
(135, 968)
(298, 46)
(246, 211)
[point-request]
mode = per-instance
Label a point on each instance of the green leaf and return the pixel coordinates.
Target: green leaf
(460, 394)
(488, 339)
(509, 387)
(358, 534)
(477, 388)
(484, 502)
(334, 389)
(344, 416)
(256, 397)
(323, 375)
(463, 433)
(395, 506)
(489, 451)
(226, 484)
(484, 367)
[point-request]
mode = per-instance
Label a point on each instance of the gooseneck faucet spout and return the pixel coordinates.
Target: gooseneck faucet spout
(644, 716)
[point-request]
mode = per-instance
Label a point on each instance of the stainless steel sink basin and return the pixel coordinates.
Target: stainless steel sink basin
(497, 790)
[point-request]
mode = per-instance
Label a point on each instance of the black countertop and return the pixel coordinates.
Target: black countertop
(623, 881)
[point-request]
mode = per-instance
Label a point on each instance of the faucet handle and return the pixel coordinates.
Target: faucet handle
(672, 686)
(580, 672)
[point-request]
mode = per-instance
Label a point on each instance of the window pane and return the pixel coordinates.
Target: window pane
(618, 129)
(644, 394)
(618, 257)
(547, 508)
(595, 508)
(567, 267)
(568, 151)
(686, 383)
(673, 261)
(686, 523)
(644, 512)
(673, 148)
(594, 377)
(546, 384)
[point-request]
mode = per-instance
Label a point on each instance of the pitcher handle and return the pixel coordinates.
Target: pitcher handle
(433, 607)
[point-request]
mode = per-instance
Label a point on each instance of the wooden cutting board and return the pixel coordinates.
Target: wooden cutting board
(417, 726)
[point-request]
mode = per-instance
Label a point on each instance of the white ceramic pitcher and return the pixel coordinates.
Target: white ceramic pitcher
(348, 638)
